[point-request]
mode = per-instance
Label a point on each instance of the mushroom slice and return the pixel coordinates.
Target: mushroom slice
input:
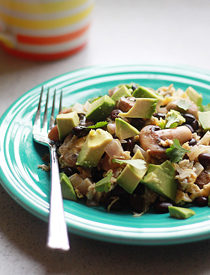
(151, 139)
(192, 109)
(125, 104)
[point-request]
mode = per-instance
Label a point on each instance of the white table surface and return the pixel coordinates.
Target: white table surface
(122, 32)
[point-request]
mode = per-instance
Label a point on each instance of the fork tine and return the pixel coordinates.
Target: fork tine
(37, 116)
(60, 104)
(52, 118)
(44, 125)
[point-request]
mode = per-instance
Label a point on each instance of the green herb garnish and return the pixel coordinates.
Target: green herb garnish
(104, 184)
(139, 164)
(176, 152)
(99, 124)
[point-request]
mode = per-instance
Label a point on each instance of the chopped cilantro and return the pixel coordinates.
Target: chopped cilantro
(139, 164)
(99, 124)
(176, 152)
(104, 184)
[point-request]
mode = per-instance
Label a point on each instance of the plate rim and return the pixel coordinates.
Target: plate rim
(112, 235)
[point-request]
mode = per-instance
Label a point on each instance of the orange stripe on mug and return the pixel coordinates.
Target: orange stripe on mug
(45, 56)
(39, 40)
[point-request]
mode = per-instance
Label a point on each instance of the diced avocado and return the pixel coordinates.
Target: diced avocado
(194, 96)
(209, 200)
(122, 91)
(206, 108)
(143, 108)
(204, 119)
(100, 108)
(131, 176)
(168, 168)
(180, 212)
(67, 188)
(66, 122)
(93, 148)
(160, 178)
(124, 129)
(145, 93)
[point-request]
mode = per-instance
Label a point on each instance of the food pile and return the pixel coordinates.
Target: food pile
(136, 149)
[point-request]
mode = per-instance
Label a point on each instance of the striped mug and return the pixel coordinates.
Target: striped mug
(44, 29)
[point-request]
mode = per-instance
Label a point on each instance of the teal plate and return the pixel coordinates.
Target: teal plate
(30, 186)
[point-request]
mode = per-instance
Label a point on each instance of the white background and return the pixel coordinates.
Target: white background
(122, 32)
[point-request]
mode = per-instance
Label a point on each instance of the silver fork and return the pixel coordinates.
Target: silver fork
(57, 229)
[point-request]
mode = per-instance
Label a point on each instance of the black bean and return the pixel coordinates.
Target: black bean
(119, 191)
(190, 127)
(192, 121)
(80, 131)
(118, 202)
(159, 115)
(189, 118)
(161, 207)
(201, 201)
(96, 174)
(128, 145)
(68, 171)
(138, 123)
(203, 179)
(114, 204)
(140, 189)
(155, 128)
(137, 203)
(58, 143)
(115, 113)
(192, 142)
(134, 87)
(82, 118)
(195, 125)
(204, 159)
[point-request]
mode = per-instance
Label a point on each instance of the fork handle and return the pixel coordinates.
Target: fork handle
(57, 229)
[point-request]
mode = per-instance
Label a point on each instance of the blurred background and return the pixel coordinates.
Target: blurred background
(124, 32)
(121, 32)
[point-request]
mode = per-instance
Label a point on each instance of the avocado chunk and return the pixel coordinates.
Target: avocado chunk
(124, 129)
(180, 212)
(204, 119)
(66, 122)
(209, 200)
(122, 91)
(143, 108)
(194, 96)
(131, 176)
(93, 148)
(67, 188)
(160, 179)
(143, 92)
(100, 108)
